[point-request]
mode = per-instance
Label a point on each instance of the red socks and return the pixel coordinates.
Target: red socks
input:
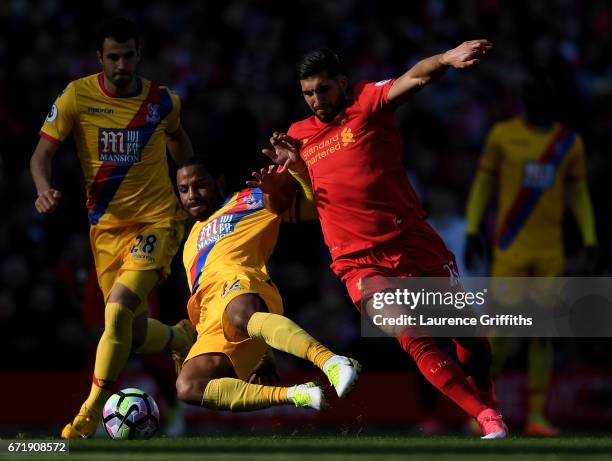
(443, 372)
(474, 355)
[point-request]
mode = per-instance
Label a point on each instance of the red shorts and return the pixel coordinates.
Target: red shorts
(419, 252)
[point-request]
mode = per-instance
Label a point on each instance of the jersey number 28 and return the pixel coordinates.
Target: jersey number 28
(144, 244)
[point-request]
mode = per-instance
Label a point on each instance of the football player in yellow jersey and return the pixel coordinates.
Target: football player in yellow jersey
(235, 306)
(535, 162)
(122, 124)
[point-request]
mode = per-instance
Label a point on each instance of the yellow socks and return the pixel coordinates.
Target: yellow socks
(112, 353)
(539, 371)
(283, 334)
(237, 395)
(115, 344)
(158, 336)
(280, 333)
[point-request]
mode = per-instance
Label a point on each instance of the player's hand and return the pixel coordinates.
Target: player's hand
(474, 252)
(269, 180)
(285, 150)
(467, 54)
(265, 373)
(48, 201)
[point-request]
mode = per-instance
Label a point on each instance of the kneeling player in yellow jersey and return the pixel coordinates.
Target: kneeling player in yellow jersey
(235, 306)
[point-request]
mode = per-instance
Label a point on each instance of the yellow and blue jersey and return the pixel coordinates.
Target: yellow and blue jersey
(532, 167)
(239, 237)
(121, 145)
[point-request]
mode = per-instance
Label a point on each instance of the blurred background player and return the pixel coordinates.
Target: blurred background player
(121, 124)
(371, 218)
(534, 162)
(234, 304)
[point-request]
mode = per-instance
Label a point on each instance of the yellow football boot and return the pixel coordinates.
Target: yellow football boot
(84, 425)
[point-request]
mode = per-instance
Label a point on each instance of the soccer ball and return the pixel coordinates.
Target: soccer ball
(130, 414)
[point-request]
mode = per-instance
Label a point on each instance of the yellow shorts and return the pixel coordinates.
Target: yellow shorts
(535, 270)
(206, 310)
(137, 247)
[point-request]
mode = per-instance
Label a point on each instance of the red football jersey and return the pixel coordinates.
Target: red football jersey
(362, 193)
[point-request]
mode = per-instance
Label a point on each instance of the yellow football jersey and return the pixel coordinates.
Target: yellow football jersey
(121, 146)
(532, 166)
(239, 237)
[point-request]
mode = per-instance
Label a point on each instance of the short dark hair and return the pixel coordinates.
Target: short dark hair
(119, 29)
(208, 165)
(316, 61)
(538, 83)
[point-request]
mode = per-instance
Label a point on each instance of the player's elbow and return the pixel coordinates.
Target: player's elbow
(406, 87)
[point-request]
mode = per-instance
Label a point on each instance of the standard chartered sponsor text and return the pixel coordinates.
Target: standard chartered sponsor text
(318, 151)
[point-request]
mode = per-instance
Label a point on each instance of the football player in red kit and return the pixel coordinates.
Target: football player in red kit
(371, 218)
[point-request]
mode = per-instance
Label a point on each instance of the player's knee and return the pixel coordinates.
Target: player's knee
(184, 388)
(190, 390)
(240, 310)
(239, 318)
(123, 295)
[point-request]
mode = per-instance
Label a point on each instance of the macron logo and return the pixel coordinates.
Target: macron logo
(100, 110)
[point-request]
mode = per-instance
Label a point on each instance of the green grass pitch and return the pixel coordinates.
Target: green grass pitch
(339, 448)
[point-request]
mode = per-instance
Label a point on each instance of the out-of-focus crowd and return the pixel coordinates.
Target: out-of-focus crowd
(232, 63)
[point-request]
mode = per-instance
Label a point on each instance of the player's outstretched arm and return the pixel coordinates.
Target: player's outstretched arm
(179, 146)
(430, 69)
(277, 186)
(40, 168)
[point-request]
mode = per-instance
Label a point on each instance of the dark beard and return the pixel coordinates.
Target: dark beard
(123, 81)
(334, 113)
